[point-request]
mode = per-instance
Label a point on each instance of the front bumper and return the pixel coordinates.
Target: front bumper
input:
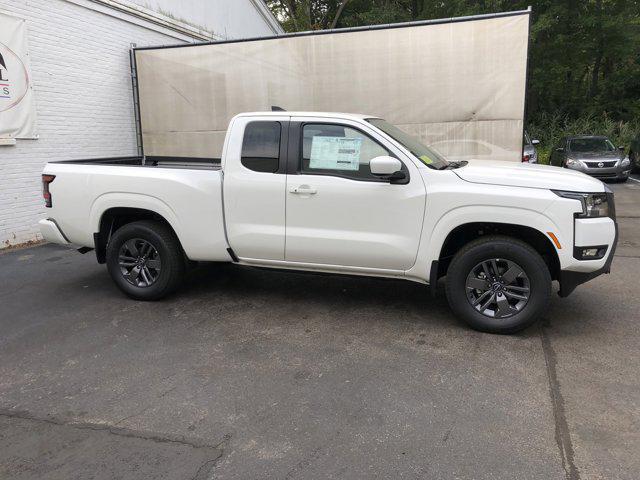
(605, 173)
(569, 279)
(51, 232)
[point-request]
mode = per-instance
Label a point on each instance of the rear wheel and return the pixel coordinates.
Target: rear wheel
(145, 260)
(498, 284)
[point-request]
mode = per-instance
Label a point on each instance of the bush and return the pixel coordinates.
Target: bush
(550, 128)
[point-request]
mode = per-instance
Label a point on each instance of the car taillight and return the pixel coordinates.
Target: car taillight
(46, 194)
(525, 158)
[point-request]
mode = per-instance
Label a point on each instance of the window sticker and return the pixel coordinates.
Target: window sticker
(426, 159)
(335, 153)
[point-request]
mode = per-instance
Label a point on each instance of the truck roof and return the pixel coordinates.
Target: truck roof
(352, 116)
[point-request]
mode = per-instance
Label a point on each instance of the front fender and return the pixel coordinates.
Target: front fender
(490, 214)
(436, 234)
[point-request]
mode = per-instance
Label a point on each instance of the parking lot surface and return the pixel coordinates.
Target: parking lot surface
(250, 373)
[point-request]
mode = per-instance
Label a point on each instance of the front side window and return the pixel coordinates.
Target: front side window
(426, 155)
(261, 146)
(339, 150)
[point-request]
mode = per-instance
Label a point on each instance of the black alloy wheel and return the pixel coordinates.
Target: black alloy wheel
(145, 259)
(139, 262)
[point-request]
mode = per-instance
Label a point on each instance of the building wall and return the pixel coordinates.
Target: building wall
(224, 18)
(81, 76)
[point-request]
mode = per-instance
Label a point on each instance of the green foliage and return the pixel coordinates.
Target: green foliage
(584, 60)
(549, 128)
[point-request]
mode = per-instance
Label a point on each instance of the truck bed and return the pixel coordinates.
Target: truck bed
(149, 161)
(186, 193)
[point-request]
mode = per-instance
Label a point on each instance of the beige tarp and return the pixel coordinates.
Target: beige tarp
(460, 86)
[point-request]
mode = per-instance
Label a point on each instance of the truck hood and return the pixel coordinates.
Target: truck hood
(527, 175)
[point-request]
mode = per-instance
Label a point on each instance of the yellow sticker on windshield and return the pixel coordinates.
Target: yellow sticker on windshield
(426, 159)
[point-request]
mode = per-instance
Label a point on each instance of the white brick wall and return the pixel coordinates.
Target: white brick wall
(81, 77)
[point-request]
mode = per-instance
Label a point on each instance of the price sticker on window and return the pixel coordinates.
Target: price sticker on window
(335, 153)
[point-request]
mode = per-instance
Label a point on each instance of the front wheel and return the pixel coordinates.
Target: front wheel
(145, 260)
(498, 284)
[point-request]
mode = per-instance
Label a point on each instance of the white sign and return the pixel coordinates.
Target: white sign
(17, 103)
(335, 153)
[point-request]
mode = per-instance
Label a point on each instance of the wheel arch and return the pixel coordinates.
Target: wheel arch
(114, 218)
(462, 234)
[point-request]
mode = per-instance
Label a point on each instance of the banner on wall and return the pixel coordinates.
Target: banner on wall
(17, 102)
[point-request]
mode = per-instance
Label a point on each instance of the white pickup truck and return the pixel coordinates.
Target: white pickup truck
(346, 194)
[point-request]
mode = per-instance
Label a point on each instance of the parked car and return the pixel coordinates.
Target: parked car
(340, 193)
(457, 150)
(634, 155)
(594, 155)
(529, 151)
(468, 149)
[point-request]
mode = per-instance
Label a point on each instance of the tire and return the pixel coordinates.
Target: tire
(508, 252)
(151, 253)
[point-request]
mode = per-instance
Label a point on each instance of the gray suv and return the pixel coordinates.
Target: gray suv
(594, 155)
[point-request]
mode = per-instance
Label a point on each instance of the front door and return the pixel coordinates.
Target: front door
(337, 212)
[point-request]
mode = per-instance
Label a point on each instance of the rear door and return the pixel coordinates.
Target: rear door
(254, 186)
(338, 213)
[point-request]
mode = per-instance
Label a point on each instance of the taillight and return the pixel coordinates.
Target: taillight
(46, 194)
(525, 158)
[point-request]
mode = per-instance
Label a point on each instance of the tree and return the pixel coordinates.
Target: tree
(299, 15)
(584, 58)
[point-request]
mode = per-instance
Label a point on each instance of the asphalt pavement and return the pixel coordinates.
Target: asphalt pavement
(249, 373)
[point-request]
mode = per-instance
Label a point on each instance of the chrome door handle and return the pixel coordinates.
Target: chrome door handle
(303, 190)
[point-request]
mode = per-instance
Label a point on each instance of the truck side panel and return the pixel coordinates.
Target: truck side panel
(189, 200)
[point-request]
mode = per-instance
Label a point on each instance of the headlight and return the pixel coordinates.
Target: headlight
(571, 163)
(625, 162)
(593, 204)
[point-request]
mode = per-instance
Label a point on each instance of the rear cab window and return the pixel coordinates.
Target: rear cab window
(261, 146)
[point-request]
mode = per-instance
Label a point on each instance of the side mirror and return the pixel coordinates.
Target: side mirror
(388, 168)
(384, 166)
(535, 142)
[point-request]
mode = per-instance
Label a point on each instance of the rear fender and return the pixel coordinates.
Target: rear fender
(132, 200)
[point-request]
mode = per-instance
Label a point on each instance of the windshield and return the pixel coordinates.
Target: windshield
(429, 157)
(591, 145)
